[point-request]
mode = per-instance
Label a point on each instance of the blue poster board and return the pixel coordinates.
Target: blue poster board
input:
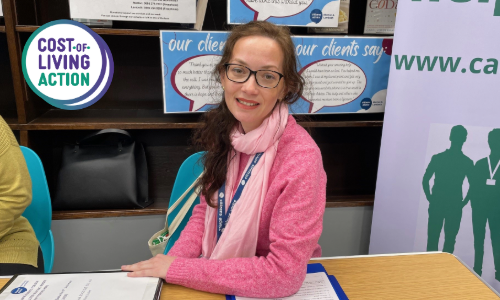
(343, 74)
(313, 13)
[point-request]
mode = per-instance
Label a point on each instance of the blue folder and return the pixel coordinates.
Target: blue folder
(317, 268)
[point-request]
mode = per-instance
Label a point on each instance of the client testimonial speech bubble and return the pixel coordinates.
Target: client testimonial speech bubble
(265, 9)
(191, 79)
(332, 82)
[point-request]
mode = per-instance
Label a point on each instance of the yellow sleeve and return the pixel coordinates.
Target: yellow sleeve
(15, 181)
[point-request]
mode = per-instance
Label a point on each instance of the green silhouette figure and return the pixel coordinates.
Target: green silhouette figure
(484, 194)
(446, 200)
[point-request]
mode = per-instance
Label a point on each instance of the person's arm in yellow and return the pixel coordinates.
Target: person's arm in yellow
(15, 182)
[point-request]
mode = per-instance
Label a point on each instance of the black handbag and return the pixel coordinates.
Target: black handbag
(105, 170)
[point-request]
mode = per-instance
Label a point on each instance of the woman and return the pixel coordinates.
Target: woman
(261, 158)
(19, 251)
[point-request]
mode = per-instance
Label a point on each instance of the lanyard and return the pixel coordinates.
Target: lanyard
(222, 217)
(489, 166)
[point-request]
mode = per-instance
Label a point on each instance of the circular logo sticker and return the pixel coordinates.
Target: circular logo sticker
(366, 103)
(67, 64)
(316, 15)
(18, 290)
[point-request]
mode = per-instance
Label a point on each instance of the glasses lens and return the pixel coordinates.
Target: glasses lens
(237, 73)
(268, 79)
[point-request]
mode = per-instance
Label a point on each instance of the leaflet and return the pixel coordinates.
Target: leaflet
(316, 286)
(167, 11)
(81, 286)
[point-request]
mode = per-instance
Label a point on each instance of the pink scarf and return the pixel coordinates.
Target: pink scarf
(239, 238)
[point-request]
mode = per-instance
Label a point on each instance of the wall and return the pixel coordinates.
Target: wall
(107, 243)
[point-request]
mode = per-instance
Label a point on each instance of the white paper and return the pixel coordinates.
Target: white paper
(81, 286)
(1, 10)
(168, 11)
(316, 286)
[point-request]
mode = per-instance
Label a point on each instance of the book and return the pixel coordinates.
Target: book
(81, 286)
(380, 16)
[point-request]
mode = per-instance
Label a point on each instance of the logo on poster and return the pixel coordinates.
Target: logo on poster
(316, 15)
(366, 103)
(19, 290)
(67, 64)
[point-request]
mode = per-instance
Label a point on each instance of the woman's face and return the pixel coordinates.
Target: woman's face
(248, 102)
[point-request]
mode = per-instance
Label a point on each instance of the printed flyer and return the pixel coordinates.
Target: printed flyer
(380, 16)
(168, 11)
(310, 13)
(343, 75)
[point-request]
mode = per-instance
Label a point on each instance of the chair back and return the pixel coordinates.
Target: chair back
(39, 213)
(189, 171)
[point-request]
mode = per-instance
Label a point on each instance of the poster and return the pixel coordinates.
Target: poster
(343, 24)
(311, 13)
(168, 11)
(380, 16)
(435, 190)
(343, 75)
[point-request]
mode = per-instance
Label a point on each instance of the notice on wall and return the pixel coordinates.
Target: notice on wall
(168, 11)
(343, 75)
(311, 13)
(343, 24)
(380, 16)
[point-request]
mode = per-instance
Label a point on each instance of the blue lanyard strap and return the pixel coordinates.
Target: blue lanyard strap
(222, 217)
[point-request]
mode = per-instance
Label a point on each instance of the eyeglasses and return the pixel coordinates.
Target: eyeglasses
(265, 78)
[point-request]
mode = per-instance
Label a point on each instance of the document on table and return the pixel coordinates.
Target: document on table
(81, 286)
(316, 286)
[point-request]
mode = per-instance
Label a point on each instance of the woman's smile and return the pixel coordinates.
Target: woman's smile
(246, 104)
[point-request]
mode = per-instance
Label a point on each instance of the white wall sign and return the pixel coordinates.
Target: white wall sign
(168, 11)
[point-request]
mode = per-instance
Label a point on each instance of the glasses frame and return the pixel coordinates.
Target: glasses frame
(254, 73)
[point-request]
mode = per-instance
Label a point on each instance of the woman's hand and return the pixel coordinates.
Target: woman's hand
(153, 267)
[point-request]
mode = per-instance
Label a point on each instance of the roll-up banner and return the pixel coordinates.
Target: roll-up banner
(438, 185)
(343, 75)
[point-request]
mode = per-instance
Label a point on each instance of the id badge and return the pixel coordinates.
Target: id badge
(490, 181)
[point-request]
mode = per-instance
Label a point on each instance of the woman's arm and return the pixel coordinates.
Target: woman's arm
(15, 182)
(295, 228)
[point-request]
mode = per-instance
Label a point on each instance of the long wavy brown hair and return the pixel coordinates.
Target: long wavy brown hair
(214, 136)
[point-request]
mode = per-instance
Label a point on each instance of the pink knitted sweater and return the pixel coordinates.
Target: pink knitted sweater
(289, 229)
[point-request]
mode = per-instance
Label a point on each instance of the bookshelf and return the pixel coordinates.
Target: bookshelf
(349, 143)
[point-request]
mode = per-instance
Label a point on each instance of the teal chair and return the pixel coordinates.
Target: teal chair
(39, 213)
(189, 171)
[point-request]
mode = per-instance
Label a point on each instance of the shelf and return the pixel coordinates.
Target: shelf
(350, 201)
(112, 118)
(160, 207)
(2, 28)
(152, 119)
(104, 31)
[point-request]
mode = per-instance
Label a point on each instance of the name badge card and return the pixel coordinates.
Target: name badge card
(490, 181)
(166, 11)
